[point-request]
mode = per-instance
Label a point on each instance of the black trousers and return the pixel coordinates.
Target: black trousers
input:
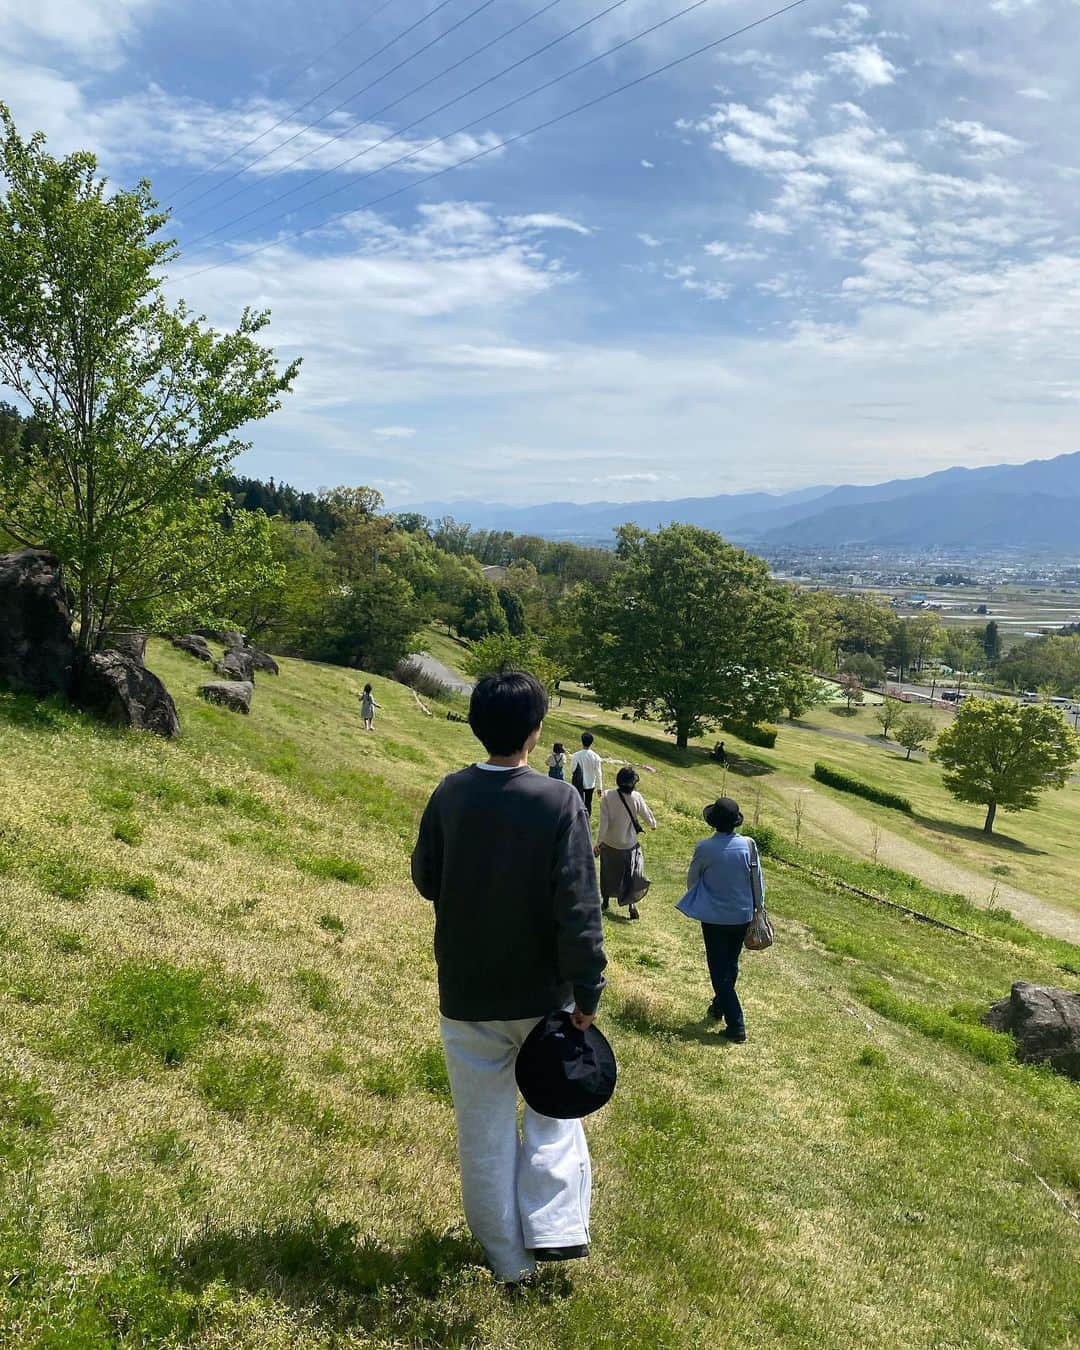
(586, 797)
(723, 943)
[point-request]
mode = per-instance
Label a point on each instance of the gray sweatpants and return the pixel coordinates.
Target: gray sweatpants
(524, 1189)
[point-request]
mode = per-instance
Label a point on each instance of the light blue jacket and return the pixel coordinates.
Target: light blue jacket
(724, 874)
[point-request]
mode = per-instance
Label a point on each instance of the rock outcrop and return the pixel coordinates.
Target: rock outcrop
(233, 694)
(236, 664)
(122, 692)
(263, 661)
(195, 645)
(131, 642)
(1045, 1022)
(37, 652)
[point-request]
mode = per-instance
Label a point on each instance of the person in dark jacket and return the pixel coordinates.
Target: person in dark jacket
(505, 856)
(724, 886)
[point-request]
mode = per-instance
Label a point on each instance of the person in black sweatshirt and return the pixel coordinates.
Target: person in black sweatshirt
(505, 856)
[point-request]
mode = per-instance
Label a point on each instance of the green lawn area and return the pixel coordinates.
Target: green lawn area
(224, 1117)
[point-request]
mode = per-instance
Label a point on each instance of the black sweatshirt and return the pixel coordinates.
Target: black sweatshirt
(506, 858)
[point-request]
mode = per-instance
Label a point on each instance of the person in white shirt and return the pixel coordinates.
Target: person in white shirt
(624, 813)
(590, 779)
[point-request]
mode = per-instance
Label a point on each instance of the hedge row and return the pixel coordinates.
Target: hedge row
(761, 733)
(844, 782)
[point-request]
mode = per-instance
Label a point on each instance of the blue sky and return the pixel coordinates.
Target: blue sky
(842, 248)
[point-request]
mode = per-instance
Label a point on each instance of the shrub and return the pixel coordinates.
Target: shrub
(762, 734)
(765, 836)
(414, 676)
(845, 782)
(165, 1010)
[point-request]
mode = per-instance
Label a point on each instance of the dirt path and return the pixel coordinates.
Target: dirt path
(840, 826)
(438, 671)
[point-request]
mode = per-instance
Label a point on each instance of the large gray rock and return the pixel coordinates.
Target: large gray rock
(233, 694)
(195, 645)
(37, 652)
(236, 664)
(263, 661)
(233, 640)
(131, 642)
(1045, 1022)
(122, 692)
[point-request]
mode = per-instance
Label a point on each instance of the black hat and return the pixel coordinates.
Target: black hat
(723, 814)
(563, 1072)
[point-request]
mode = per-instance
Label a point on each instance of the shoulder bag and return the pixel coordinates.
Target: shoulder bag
(760, 933)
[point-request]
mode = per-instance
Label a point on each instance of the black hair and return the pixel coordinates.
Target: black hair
(367, 688)
(505, 708)
(587, 739)
(558, 748)
(626, 780)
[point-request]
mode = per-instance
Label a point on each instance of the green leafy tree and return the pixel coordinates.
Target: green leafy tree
(992, 643)
(852, 688)
(505, 651)
(963, 653)
(888, 714)
(369, 624)
(689, 628)
(138, 404)
(802, 690)
(869, 669)
(481, 613)
(514, 611)
(914, 730)
(1053, 659)
(866, 623)
(999, 753)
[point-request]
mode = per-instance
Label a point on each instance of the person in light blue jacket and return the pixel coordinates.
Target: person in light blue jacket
(724, 886)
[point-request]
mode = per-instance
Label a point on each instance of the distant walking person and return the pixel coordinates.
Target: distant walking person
(557, 761)
(505, 855)
(724, 887)
(587, 770)
(622, 864)
(367, 708)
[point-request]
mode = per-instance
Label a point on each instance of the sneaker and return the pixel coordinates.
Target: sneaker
(736, 1034)
(714, 1014)
(560, 1253)
(634, 912)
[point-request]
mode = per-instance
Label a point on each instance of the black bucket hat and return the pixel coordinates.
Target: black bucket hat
(723, 814)
(563, 1072)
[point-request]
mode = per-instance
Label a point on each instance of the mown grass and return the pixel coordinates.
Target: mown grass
(230, 1115)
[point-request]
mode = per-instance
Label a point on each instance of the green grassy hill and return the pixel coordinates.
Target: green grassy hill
(224, 1117)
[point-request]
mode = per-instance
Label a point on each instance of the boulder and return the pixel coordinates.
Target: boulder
(37, 651)
(236, 665)
(1045, 1022)
(131, 642)
(213, 634)
(234, 640)
(122, 692)
(263, 661)
(195, 645)
(233, 694)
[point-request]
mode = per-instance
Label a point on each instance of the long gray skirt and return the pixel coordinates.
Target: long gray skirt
(622, 874)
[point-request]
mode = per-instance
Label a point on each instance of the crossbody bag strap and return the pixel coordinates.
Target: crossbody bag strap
(633, 818)
(755, 877)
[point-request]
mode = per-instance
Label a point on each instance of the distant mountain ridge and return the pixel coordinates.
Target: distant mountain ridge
(1031, 505)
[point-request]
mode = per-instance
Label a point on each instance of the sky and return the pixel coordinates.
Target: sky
(841, 247)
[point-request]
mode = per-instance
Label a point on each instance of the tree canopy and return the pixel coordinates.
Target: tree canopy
(136, 405)
(999, 753)
(689, 628)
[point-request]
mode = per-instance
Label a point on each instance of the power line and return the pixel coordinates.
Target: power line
(485, 4)
(378, 112)
(432, 112)
(316, 96)
(510, 140)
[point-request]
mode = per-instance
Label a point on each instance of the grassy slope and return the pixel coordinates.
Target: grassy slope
(861, 1172)
(1033, 850)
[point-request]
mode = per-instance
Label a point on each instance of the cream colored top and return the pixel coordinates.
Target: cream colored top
(616, 829)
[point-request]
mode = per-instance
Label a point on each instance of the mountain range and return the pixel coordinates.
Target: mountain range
(1035, 505)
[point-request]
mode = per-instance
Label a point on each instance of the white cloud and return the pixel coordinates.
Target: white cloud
(647, 164)
(1039, 95)
(734, 253)
(394, 433)
(649, 240)
(541, 220)
(631, 478)
(982, 142)
(93, 31)
(770, 222)
(868, 66)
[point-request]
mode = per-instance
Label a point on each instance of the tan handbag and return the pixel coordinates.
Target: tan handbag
(760, 933)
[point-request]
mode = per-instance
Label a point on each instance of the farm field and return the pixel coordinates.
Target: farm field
(224, 1114)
